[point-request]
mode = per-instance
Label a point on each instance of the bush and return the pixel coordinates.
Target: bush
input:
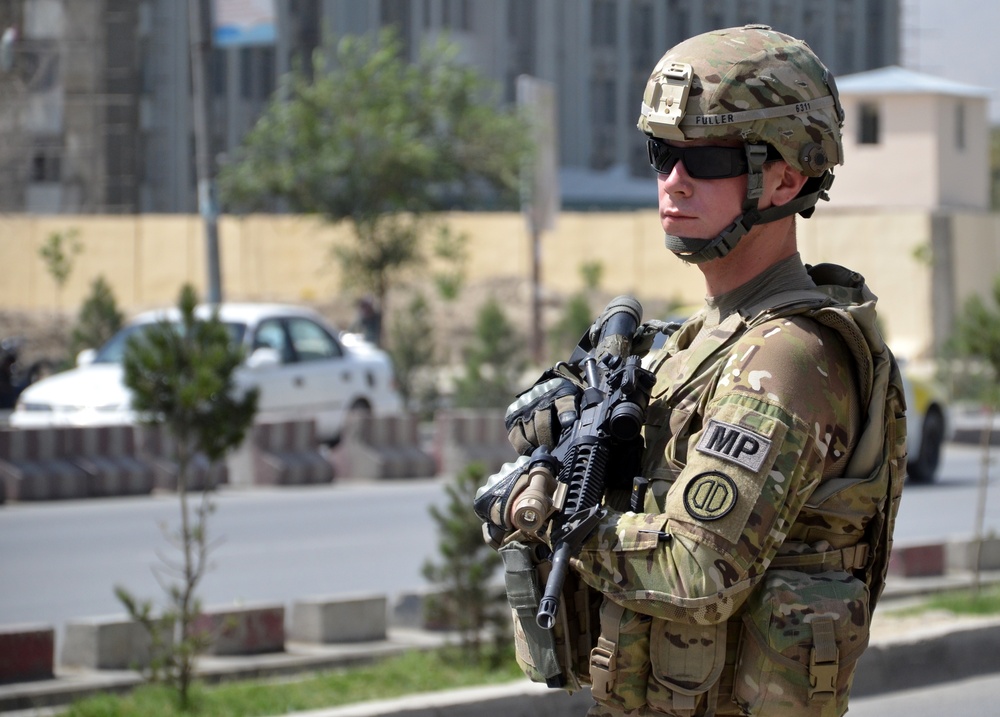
(99, 319)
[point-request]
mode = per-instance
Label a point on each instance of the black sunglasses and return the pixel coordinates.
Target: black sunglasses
(702, 162)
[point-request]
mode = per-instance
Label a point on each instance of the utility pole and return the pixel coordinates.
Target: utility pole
(199, 24)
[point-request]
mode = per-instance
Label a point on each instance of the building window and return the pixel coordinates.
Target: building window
(960, 126)
(603, 25)
(868, 126)
(457, 15)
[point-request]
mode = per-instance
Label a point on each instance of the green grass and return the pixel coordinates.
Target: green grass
(959, 602)
(410, 673)
(965, 602)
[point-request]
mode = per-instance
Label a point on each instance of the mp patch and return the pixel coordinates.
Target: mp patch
(711, 495)
(735, 444)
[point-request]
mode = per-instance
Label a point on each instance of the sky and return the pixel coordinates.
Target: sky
(957, 40)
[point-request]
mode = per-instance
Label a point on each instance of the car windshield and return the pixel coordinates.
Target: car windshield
(113, 350)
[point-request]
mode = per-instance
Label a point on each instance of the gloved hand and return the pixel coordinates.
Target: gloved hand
(647, 333)
(539, 415)
(517, 497)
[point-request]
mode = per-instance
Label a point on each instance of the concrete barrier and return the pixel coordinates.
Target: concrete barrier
(244, 630)
(287, 453)
(35, 465)
(962, 555)
(339, 619)
(27, 653)
(155, 446)
(385, 447)
(471, 436)
(107, 454)
(913, 561)
(107, 643)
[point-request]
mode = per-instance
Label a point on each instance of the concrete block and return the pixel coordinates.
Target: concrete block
(107, 643)
(244, 630)
(961, 555)
(914, 561)
(360, 618)
(27, 652)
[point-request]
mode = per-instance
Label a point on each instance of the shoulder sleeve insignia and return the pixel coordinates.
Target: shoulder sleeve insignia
(711, 495)
(735, 444)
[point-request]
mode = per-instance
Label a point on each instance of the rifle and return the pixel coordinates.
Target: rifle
(611, 414)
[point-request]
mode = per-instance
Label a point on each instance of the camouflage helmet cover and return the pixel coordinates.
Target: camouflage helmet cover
(752, 84)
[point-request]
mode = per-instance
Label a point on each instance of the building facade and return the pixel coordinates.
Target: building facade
(96, 101)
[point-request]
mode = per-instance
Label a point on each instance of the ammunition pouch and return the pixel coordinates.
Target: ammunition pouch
(558, 657)
(801, 638)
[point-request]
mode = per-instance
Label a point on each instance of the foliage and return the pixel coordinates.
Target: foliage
(469, 597)
(181, 375)
(412, 350)
(995, 168)
(578, 314)
(380, 142)
(976, 335)
(451, 250)
(99, 318)
(493, 361)
(576, 319)
(409, 673)
(58, 252)
(968, 602)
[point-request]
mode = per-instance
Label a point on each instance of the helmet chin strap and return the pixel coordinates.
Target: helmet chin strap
(698, 251)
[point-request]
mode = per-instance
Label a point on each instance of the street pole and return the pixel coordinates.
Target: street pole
(199, 15)
(540, 190)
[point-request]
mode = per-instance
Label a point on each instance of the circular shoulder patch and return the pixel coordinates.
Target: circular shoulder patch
(710, 495)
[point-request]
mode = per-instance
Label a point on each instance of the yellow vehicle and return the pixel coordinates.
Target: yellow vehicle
(927, 427)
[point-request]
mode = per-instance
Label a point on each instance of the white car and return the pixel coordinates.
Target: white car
(297, 361)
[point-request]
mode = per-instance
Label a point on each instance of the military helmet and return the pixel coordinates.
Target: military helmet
(752, 84)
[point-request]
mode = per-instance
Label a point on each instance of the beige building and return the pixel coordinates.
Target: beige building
(913, 141)
(909, 211)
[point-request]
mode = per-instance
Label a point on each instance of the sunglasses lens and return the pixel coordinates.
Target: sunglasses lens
(662, 157)
(714, 162)
(700, 162)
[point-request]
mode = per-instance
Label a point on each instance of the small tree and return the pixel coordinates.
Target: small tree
(380, 142)
(99, 319)
(181, 375)
(977, 335)
(412, 350)
(58, 253)
(578, 314)
(469, 597)
(493, 361)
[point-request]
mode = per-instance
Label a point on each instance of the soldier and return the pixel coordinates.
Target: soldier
(741, 578)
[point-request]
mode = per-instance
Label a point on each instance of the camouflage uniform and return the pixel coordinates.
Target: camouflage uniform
(774, 438)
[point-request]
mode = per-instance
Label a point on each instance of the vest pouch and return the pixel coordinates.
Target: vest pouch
(802, 636)
(687, 661)
(619, 663)
(556, 657)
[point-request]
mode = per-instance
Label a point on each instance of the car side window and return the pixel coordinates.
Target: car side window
(271, 334)
(311, 341)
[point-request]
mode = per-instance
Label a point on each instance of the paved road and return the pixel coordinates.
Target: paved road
(975, 697)
(59, 561)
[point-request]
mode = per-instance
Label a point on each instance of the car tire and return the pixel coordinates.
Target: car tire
(923, 468)
(358, 411)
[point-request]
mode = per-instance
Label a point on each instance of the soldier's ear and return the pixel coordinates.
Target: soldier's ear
(786, 181)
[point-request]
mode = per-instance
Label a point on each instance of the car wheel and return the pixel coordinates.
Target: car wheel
(358, 411)
(923, 468)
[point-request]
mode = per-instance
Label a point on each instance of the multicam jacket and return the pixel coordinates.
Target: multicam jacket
(743, 585)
